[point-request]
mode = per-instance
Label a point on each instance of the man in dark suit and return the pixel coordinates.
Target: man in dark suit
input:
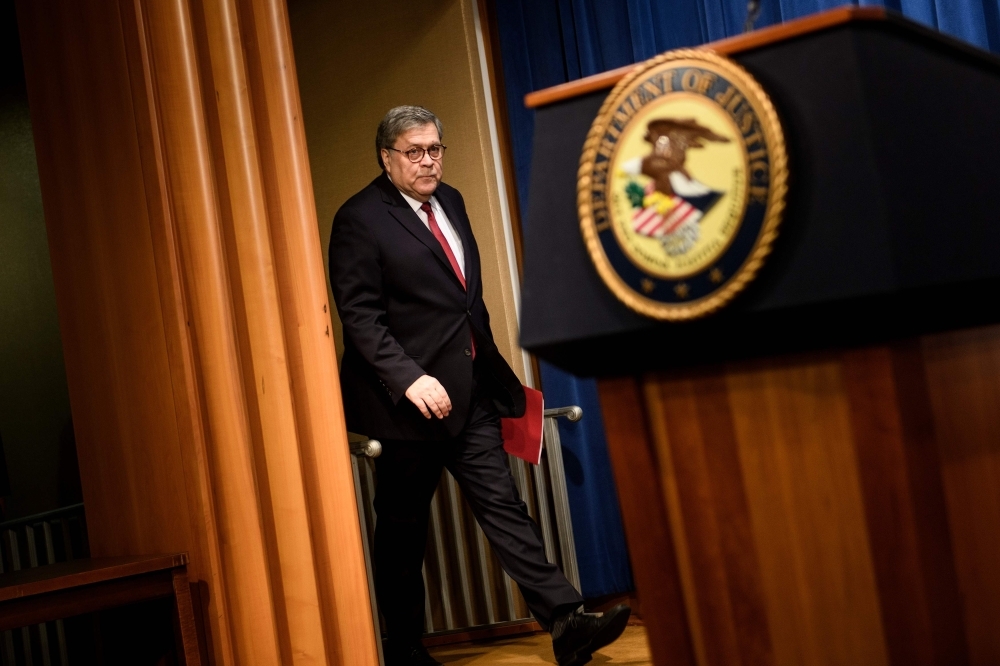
(422, 374)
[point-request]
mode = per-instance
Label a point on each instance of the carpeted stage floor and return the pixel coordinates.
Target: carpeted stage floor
(631, 649)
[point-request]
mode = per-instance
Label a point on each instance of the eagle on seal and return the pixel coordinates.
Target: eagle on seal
(671, 140)
(670, 207)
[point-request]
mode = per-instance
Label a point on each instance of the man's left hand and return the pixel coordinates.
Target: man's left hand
(429, 397)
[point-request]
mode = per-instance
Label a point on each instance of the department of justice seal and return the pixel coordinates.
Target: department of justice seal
(682, 184)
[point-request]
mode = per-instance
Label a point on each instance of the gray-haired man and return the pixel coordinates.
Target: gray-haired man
(422, 374)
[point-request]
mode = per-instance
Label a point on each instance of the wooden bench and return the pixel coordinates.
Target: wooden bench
(67, 589)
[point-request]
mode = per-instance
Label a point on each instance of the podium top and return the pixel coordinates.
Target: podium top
(890, 227)
(739, 44)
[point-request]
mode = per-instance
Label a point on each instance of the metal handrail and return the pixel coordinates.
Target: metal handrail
(542, 487)
(560, 496)
(573, 413)
(369, 448)
(72, 509)
(372, 448)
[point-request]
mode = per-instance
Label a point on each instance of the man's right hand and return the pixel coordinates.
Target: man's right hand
(429, 397)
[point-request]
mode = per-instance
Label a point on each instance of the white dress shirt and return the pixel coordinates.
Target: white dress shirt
(450, 235)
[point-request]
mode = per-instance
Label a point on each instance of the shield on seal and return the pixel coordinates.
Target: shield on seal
(672, 219)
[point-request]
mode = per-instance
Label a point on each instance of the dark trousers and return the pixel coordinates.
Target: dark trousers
(407, 476)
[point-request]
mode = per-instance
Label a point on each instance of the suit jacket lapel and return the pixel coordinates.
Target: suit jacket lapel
(401, 210)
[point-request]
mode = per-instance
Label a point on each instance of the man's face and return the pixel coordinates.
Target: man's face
(416, 179)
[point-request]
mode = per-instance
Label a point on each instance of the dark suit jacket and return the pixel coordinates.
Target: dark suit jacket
(406, 314)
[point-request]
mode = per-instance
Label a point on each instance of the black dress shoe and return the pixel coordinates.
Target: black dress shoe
(575, 637)
(408, 655)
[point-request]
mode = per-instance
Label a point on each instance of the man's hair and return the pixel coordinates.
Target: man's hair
(398, 120)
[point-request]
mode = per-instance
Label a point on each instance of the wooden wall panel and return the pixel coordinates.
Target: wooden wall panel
(193, 307)
(825, 508)
(106, 284)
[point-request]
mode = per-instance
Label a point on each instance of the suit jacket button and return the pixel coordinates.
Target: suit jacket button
(468, 352)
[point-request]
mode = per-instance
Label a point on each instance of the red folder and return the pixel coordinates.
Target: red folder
(523, 437)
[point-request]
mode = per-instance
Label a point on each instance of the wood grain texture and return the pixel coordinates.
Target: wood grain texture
(826, 508)
(644, 513)
(204, 543)
(186, 623)
(306, 317)
(963, 380)
(792, 422)
(69, 589)
(194, 314)
(196, 220)
(901, 477)
(693, 428)
(74, 573)
(106, 283)
(257, 307)
(73, 601)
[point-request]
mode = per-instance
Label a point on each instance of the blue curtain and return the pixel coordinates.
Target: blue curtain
(547, 42)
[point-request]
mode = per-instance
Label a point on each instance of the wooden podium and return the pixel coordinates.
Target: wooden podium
(811, 476)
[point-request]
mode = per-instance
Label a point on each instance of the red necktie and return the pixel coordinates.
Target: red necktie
(436, 230)
(439, 235)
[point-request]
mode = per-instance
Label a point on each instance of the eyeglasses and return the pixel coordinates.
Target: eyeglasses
(416, 153)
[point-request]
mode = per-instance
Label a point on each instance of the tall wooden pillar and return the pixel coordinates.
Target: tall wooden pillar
(194, 313)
